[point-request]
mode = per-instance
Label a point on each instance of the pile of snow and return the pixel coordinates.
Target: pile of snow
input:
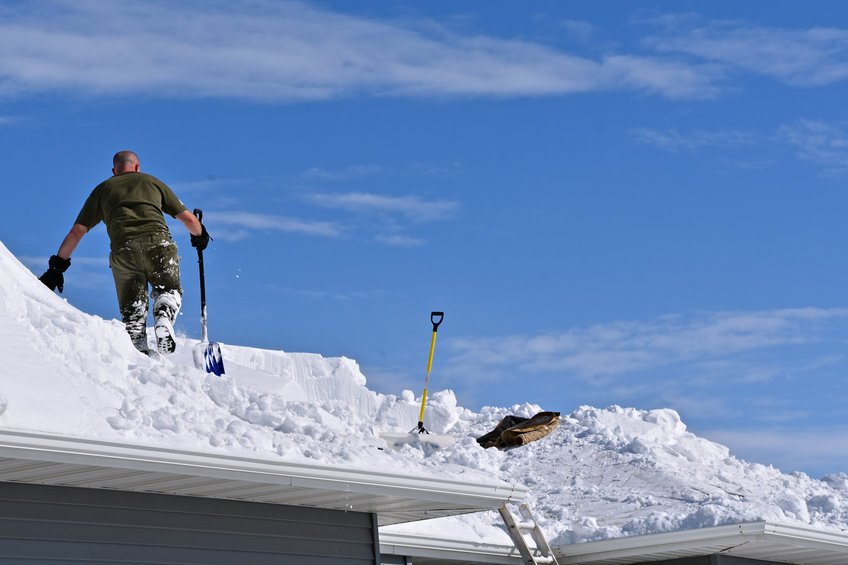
(603, 473)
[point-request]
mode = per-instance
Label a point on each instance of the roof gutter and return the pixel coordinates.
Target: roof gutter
(754, 540)
(47, 459)
(448, 550)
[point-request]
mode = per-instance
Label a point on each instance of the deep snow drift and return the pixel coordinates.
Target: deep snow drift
(602, 473)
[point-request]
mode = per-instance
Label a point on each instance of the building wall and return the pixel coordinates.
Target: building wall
(58, 525)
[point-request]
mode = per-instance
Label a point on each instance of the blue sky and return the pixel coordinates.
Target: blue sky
(628, 203)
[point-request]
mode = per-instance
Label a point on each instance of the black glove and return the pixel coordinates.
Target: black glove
(53, 277)
(202, 240)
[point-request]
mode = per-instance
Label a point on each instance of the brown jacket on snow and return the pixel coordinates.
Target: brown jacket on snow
(513, 431)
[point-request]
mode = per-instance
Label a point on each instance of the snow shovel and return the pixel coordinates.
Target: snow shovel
(420, 435)
(206, 355)
(435, 322)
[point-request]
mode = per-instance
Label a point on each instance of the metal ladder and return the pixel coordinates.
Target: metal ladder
(543, 553)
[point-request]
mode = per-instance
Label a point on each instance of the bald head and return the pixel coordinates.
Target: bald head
(124, 161)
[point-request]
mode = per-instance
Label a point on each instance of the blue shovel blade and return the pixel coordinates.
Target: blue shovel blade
(207, 356)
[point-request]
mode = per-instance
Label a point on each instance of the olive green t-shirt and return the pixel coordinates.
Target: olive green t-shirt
(131, 205)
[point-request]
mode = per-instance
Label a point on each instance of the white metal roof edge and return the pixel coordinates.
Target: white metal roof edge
(145, 459)
(805, 535)
(412, 545)
(758, 538)
(767, 540)
(587, 552)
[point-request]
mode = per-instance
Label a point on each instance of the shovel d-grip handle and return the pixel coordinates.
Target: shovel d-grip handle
(433, 316)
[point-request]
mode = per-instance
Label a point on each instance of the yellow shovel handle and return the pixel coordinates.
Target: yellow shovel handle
(421, 415)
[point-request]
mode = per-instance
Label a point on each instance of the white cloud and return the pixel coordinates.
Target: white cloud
(577, 29)
(352, 171)
(800, 57)
(286, 51)
(249, 221)
(673, 79)
(674, 140)
(210, 185)
(313, 294)
(609, 350)
(292, 51)
(400, 240)
(822, 143)
(411, 207)
(429, 169)
(819, 142)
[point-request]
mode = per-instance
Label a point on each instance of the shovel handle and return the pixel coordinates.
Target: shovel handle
(203, 335)
(436, 318)
(433, 316)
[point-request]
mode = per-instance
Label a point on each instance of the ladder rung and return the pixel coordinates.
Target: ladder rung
(526, 526)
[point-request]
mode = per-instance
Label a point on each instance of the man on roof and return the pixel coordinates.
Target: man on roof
(132, 205)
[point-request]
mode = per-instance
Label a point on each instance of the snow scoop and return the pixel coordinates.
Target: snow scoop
(207, 355)
(419, 434)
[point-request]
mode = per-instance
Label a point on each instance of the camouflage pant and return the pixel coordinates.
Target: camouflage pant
(146, 260)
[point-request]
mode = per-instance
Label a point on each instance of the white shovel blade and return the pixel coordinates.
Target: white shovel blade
(396, 440)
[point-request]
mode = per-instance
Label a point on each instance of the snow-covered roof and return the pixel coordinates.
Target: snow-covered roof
(394, 497)
(766, 541)
(300, 428)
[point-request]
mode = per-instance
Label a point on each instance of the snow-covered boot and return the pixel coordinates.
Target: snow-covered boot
(140, 343)
(164, 331)
(166, 305)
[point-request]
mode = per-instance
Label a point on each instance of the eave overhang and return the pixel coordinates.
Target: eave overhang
(766, 541)
(393, 497)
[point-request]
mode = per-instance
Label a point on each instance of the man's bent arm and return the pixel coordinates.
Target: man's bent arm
(190, 221)
(71, 240)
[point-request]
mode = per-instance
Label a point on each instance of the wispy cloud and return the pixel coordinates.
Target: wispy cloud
(358, 171)
(609, 350)
(211, 185)
(823, 143)
(413, 208)
(397, 240)
(430, 169)
(292, 51)
(578, 30)
(346, 173)
(313, 294)
(246, 222)
(674, 140)
(6, 120)
(800, 57)
(288, 51)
